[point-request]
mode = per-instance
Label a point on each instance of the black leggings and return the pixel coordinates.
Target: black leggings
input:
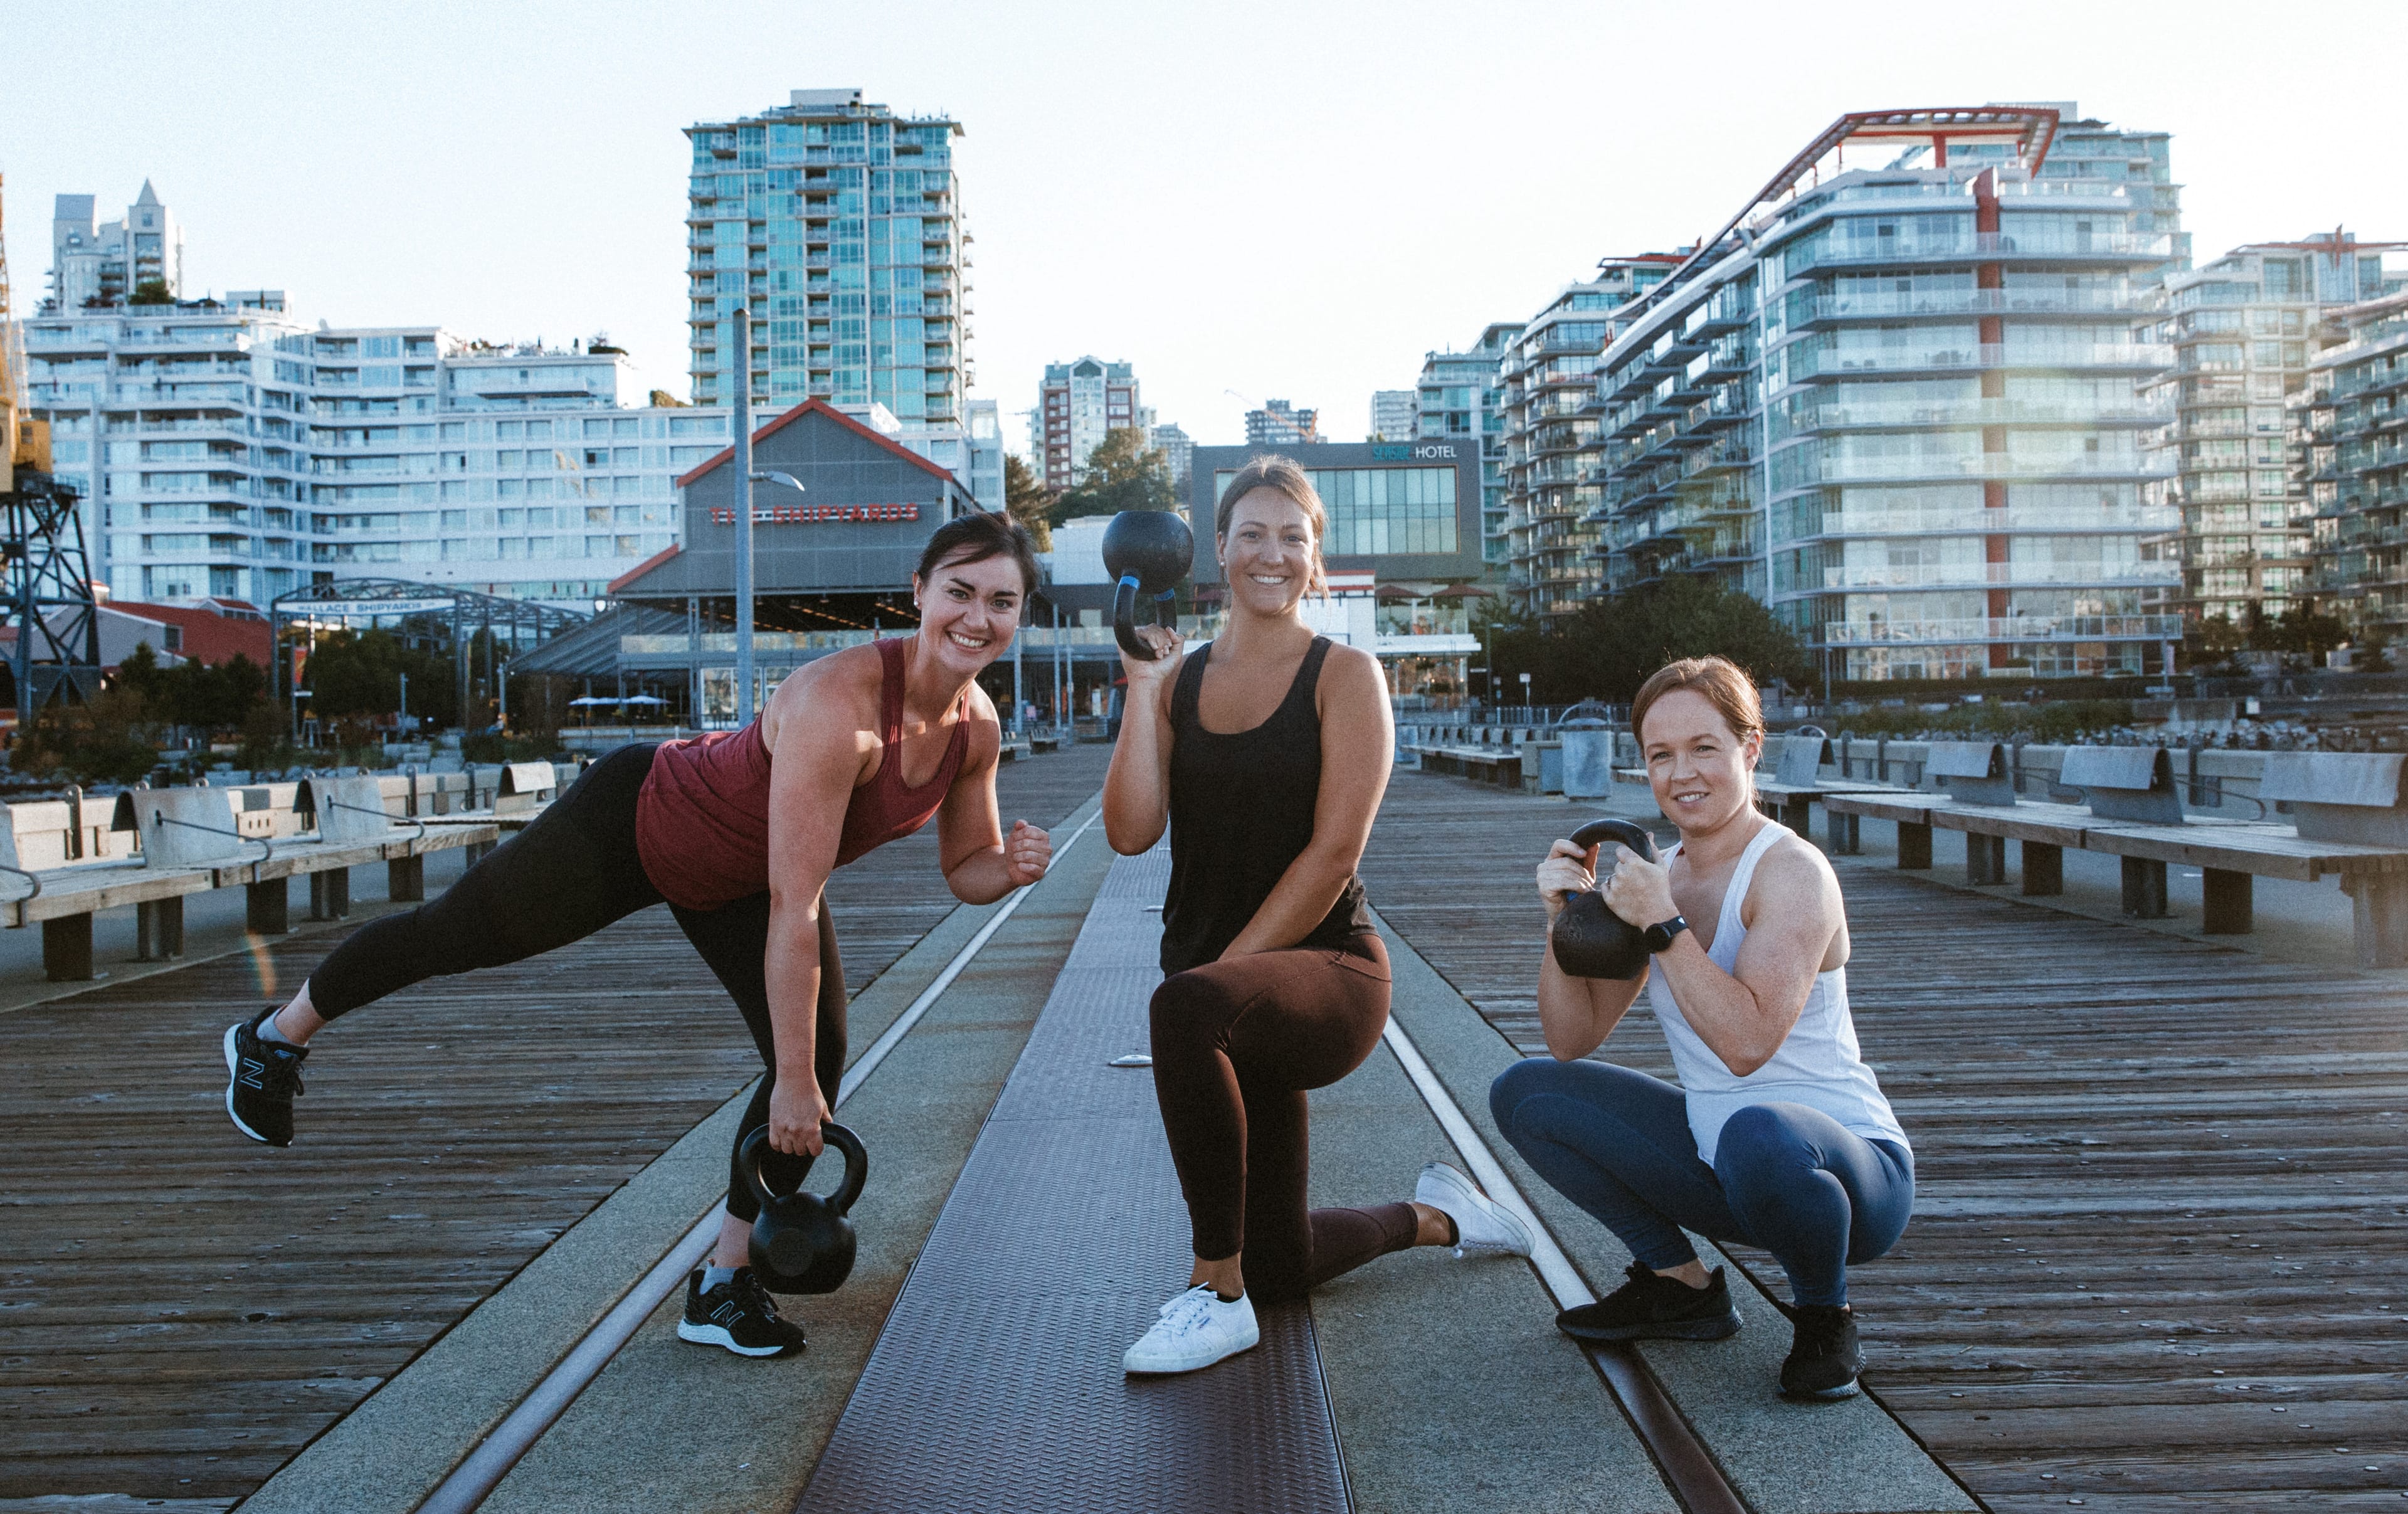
(1236, 1045)
(563, 878)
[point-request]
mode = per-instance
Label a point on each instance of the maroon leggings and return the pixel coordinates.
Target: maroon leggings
(1236, 1045)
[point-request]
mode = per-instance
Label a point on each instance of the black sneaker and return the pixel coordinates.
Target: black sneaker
(261, 1077)
(1824, 1354)
(739, 1314)
(1649, 1308)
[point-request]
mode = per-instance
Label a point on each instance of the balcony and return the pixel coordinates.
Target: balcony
(2005, 628)
(2141, 519)
(1821, 309)
(2000, 575)
(1990, 247)
(2134, 357)
(1944, 468)
(1970, 412)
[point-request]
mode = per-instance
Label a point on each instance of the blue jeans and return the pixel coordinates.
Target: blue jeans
(1785, 1177)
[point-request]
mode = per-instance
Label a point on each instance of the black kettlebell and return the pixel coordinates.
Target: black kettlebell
(803, 1242)
(1590, 941)
(1147, 552)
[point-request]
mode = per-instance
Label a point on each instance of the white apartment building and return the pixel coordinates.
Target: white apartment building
(1395, 414)
(106, 260)
(1080, 402)
(228, 450)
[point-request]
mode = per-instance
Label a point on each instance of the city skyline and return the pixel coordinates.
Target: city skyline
(578, 226)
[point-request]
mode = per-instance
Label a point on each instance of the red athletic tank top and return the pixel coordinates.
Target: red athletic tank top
(702, 820)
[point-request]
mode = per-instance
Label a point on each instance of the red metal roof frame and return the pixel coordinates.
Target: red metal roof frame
(641, 569)
(2032, 128)
(823, 408)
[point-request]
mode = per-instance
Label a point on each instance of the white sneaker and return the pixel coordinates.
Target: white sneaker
(1480, 1225)
(1195, 1330)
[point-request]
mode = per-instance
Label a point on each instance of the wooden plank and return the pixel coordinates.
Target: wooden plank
(2163, 1187)
(181, 1311)
(2264, 850)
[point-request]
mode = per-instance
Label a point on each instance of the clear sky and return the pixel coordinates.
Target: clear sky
(1293, 200)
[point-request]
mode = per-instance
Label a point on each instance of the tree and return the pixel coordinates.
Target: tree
(1610, 645)
(150, 291)
(1026, 500)
(1126, 472)
(360, 674)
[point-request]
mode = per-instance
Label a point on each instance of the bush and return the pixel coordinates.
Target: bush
(2054, 723)
(490, 747)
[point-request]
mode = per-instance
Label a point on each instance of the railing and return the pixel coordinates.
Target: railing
(2007, 629)
(1987, 465)
(2142, 518)
(1963, 412)
(1954, 575)
(1970, 302)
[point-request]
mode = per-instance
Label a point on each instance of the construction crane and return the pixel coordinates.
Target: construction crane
(50, 599)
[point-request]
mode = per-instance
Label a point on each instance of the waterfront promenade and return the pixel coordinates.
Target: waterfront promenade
(2156, 1261)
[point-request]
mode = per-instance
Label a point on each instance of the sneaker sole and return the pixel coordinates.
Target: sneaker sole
(718, 1335)
(1721, 1329)
(1191, 1363)
(1846, 1389)
(231, 1059)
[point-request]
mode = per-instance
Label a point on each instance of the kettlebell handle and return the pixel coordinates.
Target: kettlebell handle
(1125, 619)
(749, 1156)
(1636, 837)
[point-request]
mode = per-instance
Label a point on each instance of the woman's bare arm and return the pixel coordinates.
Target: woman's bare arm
(981, 863)
(813, 768)
(1137, 788)
(1358, 744)
(1743, 1016)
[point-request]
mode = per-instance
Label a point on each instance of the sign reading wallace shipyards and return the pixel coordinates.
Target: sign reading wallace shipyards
(366, 607)
(813, 514)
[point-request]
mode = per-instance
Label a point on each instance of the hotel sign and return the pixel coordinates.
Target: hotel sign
(816, 514)
(1419, 451)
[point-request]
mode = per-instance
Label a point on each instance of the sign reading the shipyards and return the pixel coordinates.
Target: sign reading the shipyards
(814, 515)
(367, 607)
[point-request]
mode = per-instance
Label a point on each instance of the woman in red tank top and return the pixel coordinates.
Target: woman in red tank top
(737, 833)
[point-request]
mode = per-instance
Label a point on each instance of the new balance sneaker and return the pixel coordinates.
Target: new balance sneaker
(261, 1077)
(1195, 1329)
(739, 1314)
(1652, 1307)
(1824, 1354)
(1480, 1225)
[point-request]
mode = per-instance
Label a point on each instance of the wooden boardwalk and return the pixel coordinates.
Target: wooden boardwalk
(181, 1311)
(2159, 1259)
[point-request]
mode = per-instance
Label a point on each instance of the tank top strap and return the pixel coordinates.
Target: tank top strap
(890, 692)
(1308, 678)
(1189, 689)
(1727, 926)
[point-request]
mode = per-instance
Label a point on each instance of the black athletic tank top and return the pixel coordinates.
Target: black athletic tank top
(1241, 809)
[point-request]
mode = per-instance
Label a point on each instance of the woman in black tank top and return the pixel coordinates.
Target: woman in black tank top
(1265, 754)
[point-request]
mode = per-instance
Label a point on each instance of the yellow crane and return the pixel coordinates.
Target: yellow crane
(25, 442)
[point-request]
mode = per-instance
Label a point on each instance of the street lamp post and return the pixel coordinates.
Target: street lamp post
(744, 629)
(740, 327)
(1525, 695)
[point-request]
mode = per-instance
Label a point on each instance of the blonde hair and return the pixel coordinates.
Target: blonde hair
(1723, 683)
(1284, 476)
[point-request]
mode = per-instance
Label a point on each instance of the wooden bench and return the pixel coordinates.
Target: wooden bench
(191, 841)
(1044, 744)
(2227, 853)
(1483, 764)
(1789, 795)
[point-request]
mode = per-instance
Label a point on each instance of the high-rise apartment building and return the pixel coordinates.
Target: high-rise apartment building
(238, 453)
(1277, 424)
(839, 224)
(1079, 402)
(1901, 395)
(2242, 330)
(1394, 416)
(2351, 421)
(1546, 383)
(102, 262)
(1177, 451)
(1460, 395)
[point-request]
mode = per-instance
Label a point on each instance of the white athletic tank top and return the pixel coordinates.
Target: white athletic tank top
(1819, 1066)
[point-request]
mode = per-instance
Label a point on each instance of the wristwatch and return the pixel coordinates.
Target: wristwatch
(1659, 937)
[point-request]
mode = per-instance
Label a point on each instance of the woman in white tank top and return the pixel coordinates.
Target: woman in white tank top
(1777, 1135)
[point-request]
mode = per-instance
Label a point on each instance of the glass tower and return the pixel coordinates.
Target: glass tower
(1901, 396)
(1460, 396)
(837, 224)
